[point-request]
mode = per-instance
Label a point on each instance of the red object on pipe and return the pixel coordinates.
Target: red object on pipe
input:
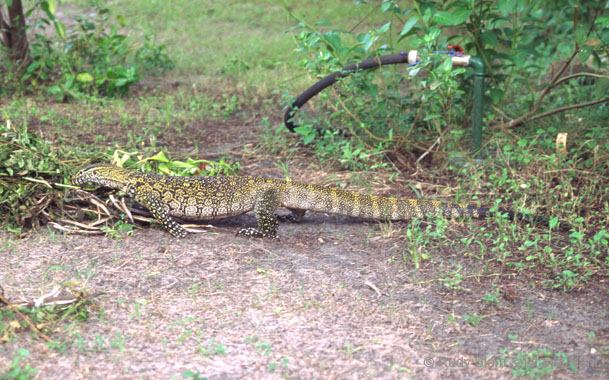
(458, 49)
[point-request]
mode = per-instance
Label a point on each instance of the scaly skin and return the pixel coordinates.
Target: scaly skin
(208, 198)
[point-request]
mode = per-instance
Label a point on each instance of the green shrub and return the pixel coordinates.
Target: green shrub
(91, 59)
(411, 110)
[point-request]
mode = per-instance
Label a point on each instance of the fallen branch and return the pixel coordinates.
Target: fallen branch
(25, 318)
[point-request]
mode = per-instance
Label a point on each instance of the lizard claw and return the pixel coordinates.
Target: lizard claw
(177, 230)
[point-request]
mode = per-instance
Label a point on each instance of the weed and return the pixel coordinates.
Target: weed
(165, 165)
(417, 241)
(473, 319)
(192, 375)
(99, 343)
(229, 106)
(45, 318)
(137, 309)
(29, 167)
(349, 350)
(453, 279)
(118, 342)
(119, 229)
(275, 140)
(17, 370)
(536, 364)
(492, 297)
(566, 280)
(213, 348)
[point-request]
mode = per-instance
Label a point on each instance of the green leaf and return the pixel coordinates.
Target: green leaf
(599, 236)
(496, 95)
(408, 25)
(568, 273)
(427, 15)
(84, 78)
(333, 40)
(55, 90)
(581, 35)
(121, 20)
(458, 17)
(489, 37)
(181, 165)
(386, 6)
(603, 20)
(600, 87)
(52, 6)
(505, 6)
(159, 157)
(60, 28)
(553, 222)
(121, 82)
(164, 169)
(384, 28)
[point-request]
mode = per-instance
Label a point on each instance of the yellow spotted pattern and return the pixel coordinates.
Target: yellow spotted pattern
(207, 198)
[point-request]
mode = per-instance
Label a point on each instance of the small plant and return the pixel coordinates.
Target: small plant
(194, 375)
(417, 240)
(213, 348)
(30, 167)
(536, 364)
(566, 280)
(492, 297)
(350, 350)
(42, 320)
(473, 319)
(453, 279)
(153, 56)
(18, 370)
(119, 229)
(189, 167)
(228, 106)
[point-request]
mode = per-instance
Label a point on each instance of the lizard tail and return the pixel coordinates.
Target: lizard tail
(342, 202)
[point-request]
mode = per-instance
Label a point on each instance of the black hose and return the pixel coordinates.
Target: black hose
(370, 63)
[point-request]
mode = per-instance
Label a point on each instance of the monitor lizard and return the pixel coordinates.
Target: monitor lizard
(209, 198)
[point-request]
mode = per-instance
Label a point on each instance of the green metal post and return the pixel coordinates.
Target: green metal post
(479, 68)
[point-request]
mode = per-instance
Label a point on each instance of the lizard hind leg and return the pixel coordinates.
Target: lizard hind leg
(265, 217)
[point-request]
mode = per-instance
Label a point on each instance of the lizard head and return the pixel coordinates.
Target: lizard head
(104, 175)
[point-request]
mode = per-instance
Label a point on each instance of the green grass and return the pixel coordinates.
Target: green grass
(244, 42)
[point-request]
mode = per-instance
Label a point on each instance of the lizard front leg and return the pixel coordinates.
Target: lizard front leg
(266, 219)
(159, 212)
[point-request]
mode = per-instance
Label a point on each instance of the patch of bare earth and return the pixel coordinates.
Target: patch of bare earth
(330, 300)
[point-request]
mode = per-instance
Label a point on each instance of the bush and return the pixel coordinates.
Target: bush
(91, 59)
(423, 108)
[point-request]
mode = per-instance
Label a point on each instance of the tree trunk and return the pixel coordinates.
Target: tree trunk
(14, 35)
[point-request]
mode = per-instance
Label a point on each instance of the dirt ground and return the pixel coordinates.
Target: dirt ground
(333, 299)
